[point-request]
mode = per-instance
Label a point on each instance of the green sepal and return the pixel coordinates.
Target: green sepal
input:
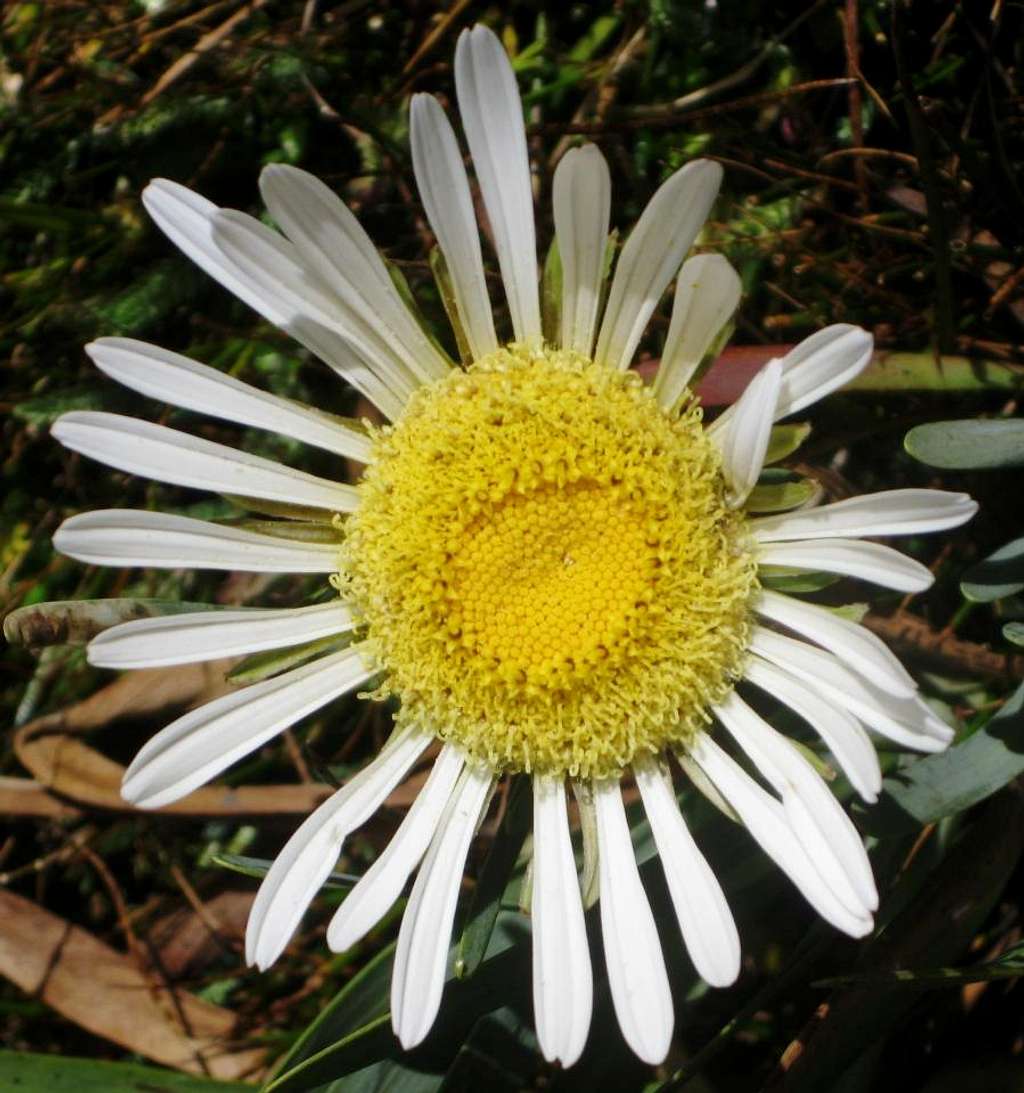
(446, 290)
(272, 662)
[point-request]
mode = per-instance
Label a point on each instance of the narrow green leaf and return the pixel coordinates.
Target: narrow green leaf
(968, 445)
(358, 1009)
(499, 1055)
(1010, 965)
(1000, 574)
(260, 867)
(29, 1073)
(355, 1030)
(494, 878)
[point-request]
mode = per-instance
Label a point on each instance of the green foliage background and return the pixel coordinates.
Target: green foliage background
(873, 159)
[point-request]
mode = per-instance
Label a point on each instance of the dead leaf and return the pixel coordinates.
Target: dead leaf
(102, 990)
(26, 797)
(60, 762)
(188, 942)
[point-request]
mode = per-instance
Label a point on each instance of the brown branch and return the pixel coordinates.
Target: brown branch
(674, 121)
(943, 651)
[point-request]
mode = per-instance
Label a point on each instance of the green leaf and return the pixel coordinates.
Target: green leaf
(494, 878)
(926, 790)
(354, 1031)
(1014, 631)
(499, 1055)
(1000, 574)
(259, 867)
(968, 445)
(59, 1074)
(76, 622)
(926, 371)
(785, 439)
(934, 929)
(1010, 965)
(387, 1076)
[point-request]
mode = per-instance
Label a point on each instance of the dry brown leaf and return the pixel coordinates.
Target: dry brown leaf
(73, 769)
(103, 991)
(26, 797)
(187, 942)
(50, 749)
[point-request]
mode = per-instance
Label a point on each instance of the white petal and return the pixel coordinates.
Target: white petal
(632, 951)
(127, 537)
(902, 720)
(202, 743)
(582, 197)
(707, 293)
(273, 284)
(206, 635)
(765, 819)
(819, 365)
(329, 238)
(830, 839)
(822, 363)
(185, 218)
(864, 651)
(867, 561)
(843, 734)
(563, 995)
(378, 888)
(425, 934)
(166, 455)
(745, 442)
(652, 256)
(492, 116)
(705, 920)
(172, 378)
(274, 263)
(310, 854)
(444, 190)
(891, 512)
(389, 396)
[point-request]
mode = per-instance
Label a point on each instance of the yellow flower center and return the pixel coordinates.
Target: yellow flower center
(546, 567)
(548, 581)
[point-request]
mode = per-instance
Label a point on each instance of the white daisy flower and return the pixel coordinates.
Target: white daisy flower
(548, 564)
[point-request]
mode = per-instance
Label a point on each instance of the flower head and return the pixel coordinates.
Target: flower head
(552, 567)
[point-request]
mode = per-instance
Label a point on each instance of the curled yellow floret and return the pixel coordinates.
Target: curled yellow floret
(546, 567)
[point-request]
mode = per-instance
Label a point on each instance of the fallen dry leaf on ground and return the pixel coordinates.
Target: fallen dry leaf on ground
(60, 762)
(102, 990)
